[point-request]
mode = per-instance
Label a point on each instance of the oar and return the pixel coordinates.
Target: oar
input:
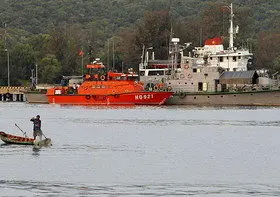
(24, 133)
(44, 135)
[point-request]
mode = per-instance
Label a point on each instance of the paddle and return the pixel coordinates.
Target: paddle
(44, 135)
(24, 133)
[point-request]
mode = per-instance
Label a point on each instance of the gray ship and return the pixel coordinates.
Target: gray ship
(209, 75)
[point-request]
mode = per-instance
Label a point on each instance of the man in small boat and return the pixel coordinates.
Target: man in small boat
(37, 127)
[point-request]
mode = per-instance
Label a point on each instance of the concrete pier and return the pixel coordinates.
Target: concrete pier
(12, 94)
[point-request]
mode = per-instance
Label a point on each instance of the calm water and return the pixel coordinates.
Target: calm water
(143, 151)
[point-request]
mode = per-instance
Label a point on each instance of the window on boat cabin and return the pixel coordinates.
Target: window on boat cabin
(239, 57)
(142, 73)
(194, 70)
(168, 72)
(234, 58)
(200, 86)
(156, 72)
(132, 78)
(221, 59)
(211, 58)
(234, 69)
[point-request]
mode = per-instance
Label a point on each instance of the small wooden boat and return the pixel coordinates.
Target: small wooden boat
(13, 139)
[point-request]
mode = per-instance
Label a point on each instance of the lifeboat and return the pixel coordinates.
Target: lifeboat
(106, 88)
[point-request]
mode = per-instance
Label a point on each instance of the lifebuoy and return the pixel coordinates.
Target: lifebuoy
(182, 95)
(87, 97)
(102, 77)
(150, 86)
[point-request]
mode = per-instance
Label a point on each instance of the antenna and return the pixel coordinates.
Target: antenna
(8, 55)
(200, 37)
(231, 28)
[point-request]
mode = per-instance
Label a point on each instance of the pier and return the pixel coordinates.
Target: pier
(13, 93)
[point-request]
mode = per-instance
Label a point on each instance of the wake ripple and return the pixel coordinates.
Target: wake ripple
(164, 189)
(166, 122)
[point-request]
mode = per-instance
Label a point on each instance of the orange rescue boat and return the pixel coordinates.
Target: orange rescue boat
(107, 88)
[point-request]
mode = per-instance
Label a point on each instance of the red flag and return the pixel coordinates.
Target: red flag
(225, 9)
(81, 53)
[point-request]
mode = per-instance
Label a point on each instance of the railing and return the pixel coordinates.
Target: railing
(13, 89)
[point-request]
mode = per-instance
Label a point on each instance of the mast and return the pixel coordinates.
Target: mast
(8, 55)
(231, 28)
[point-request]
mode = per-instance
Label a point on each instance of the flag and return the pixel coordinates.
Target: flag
(225, 9)
(81, 53)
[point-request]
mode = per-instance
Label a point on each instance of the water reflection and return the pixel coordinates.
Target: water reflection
(36, 151)
(170, 121)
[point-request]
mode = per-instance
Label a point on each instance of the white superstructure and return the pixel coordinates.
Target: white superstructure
(214, 54)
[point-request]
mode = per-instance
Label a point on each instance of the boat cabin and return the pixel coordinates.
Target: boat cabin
(113, 76)
(95, 72)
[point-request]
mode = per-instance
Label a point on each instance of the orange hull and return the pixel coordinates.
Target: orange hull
(134, 98)
(13, 139)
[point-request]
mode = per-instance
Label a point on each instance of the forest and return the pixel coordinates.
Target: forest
(59, 36)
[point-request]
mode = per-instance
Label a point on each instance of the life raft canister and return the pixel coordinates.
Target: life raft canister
(102, 77)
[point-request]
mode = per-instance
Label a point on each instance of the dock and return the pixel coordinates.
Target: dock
(13, 93)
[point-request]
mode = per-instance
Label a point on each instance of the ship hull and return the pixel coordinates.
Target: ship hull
(136, 98)
(254, 98)
(32, 97)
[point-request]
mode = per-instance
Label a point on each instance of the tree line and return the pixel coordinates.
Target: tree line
(118, 28)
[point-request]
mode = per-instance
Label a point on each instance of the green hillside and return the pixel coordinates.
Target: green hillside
(50, 33)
